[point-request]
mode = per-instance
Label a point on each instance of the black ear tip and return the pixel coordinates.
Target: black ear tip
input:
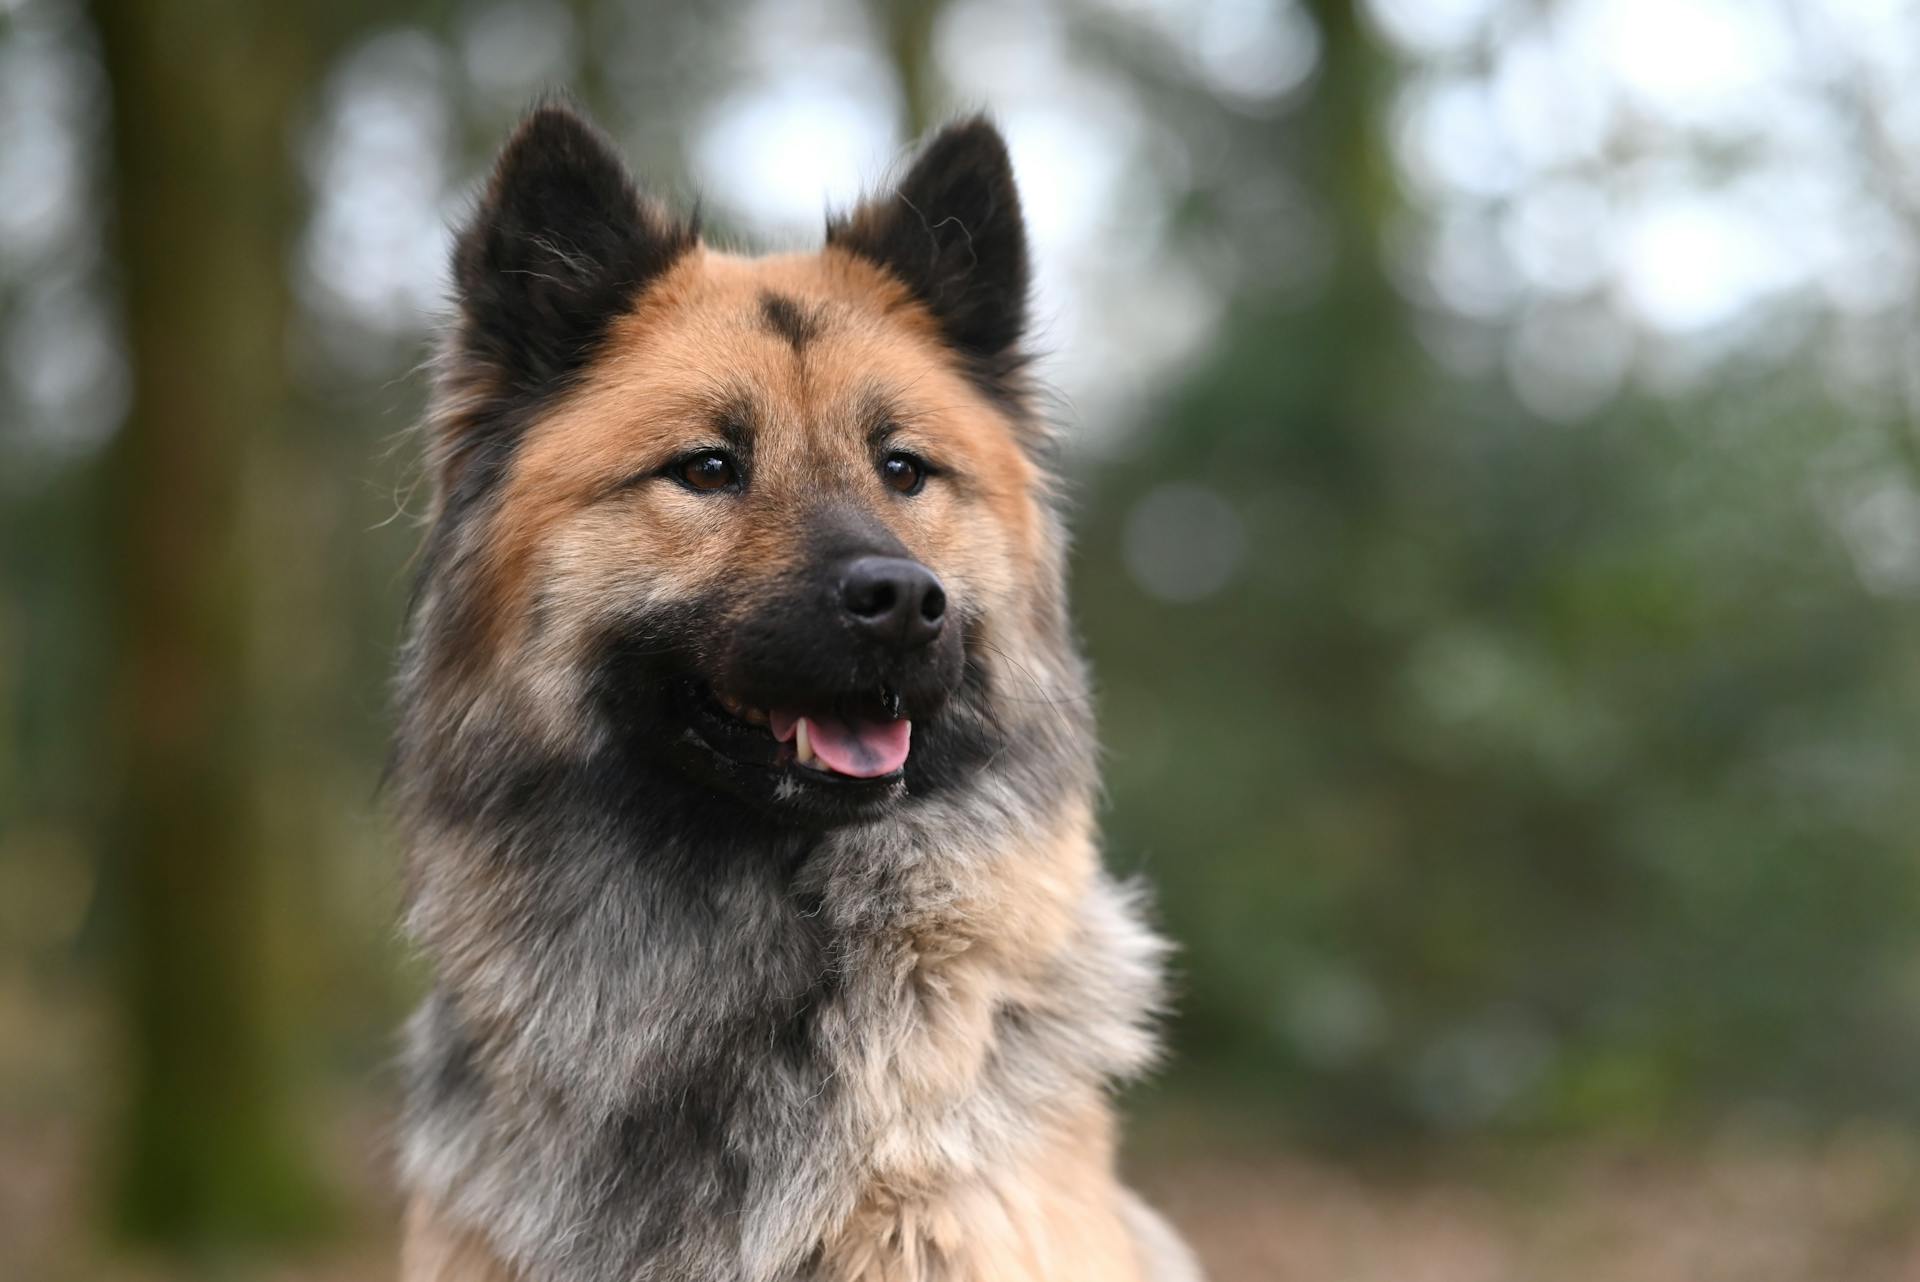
(555, 129)
(555, 112)
(973, 140)
(554, 104)
(978, 128)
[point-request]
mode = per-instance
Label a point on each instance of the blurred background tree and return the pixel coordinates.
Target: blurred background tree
(204, 214)
(1499, 545)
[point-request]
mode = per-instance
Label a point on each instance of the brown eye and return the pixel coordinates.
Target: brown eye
(903, 473)
(708, 470)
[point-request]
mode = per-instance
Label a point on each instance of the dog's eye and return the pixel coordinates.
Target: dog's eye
(903, 473)
(708, 470)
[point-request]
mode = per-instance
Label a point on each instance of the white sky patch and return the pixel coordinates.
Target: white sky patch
(1249, 53)
(1880, 35)
(1552, 106)
(1864, 260)
(1468, 270)
(1449, 140)
(379, 168)
(1255, 51)
(1690, 163)
(812, 126)
(70, 366)
(44, 99)
(1430, 28)
(1700, 62)
(1879, 518)
(995, 50)
(1069, 169)
(1690, 261)
(62, 356)
(1559, 234)
(784, 154)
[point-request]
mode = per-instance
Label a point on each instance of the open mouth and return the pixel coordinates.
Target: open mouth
(836, 746)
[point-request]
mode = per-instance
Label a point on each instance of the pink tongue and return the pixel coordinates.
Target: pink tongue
(862, 749)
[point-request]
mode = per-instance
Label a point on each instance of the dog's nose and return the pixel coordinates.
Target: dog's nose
(897, 602)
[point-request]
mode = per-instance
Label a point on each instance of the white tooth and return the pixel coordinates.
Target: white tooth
(802, 745)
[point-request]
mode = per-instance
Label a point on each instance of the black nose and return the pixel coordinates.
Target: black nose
(897, 602)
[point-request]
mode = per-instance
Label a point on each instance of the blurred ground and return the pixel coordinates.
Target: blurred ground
(1734, 1212)
(1735, 1208)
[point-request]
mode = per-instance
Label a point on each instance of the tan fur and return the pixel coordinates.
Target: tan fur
(430, 1252)
(1056, 1217)
(939, 1206)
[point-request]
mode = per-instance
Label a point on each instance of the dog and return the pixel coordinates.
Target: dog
(745, 759)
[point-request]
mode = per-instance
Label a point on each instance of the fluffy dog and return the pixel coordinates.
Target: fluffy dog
(745, 760)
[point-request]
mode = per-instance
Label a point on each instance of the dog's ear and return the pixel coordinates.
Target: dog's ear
(560, 246)
(951, 231)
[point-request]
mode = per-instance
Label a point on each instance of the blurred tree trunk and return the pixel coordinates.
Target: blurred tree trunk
(202, 96)
(1362, 379)
(907, 26)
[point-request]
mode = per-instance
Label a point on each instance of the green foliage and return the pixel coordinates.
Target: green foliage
(1522, 774)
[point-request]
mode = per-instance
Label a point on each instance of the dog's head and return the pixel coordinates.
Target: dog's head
(776, 524)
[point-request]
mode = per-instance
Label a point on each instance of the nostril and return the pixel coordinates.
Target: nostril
(934, 604)
(872, 598)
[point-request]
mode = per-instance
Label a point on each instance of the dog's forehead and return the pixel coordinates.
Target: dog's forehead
(828, 280)
(822, 341)
(812, 305)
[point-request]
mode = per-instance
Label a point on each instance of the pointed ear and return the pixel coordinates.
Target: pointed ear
(561, 245)
(951, 231)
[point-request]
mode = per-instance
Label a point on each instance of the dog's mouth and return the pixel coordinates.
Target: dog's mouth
(865, 743)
